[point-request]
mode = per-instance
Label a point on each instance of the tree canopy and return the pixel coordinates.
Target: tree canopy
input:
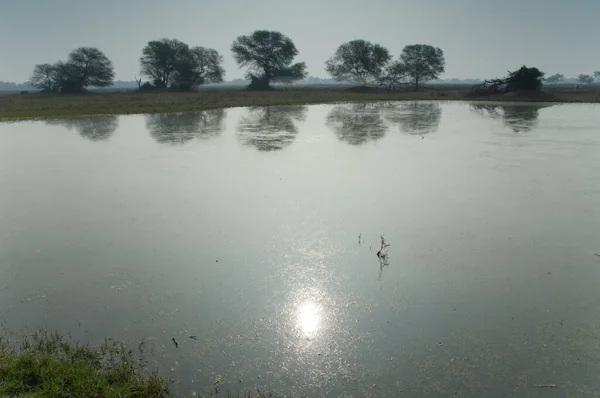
(85, 67)
(394, 75)
(422, 62)
(585, 79)
(172, 63)
(556, 78)
(359, 61)
(366, 63)
(268, 56)
(159, 58)
(525, 78)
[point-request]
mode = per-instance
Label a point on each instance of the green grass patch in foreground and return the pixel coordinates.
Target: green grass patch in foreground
(46, 364)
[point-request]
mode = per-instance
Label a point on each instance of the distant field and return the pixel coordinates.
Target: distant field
(125, 101)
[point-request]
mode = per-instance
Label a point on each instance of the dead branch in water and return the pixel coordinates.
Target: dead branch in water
(381, 253)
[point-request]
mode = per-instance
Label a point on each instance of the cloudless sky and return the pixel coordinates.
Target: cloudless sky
(480, 38)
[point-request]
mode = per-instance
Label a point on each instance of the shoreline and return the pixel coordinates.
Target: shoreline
(15, 106)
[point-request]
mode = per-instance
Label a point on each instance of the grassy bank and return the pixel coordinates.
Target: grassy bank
(15, 106)
(48, 365)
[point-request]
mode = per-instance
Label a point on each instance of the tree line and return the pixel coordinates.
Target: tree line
(268, 57)
(583, 78)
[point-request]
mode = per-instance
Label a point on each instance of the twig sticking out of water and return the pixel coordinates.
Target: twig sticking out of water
(381, 253)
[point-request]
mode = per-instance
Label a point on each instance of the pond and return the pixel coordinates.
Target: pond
(250, 237)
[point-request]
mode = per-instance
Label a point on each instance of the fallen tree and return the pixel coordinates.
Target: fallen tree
(523, 79)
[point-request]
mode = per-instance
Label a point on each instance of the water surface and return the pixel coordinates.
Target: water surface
(250, 236)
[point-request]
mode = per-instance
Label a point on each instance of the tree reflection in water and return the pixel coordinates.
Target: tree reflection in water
(270, 128)
(357, 123)
(94, 128)
(179, 128)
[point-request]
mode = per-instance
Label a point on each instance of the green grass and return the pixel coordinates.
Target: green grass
(34, 105)
(46, 364)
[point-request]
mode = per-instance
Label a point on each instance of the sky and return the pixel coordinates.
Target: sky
(480, 38)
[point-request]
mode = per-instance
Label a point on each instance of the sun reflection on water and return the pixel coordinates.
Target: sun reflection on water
(308, 318)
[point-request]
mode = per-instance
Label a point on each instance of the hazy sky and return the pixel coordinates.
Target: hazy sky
(480, 38)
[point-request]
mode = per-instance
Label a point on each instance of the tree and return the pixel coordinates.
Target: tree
(556, 78)
(267, 55)
(393, 76)
(525, 79)
(359, 61)
(422, 62)
(159, 59)
(196, 67)
(85, 67)
(585, 79)
(522, 79)
(45, 77)
(88, 66)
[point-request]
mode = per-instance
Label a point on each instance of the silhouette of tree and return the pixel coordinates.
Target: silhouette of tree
(422, 62)
(270, 128)
(519, 117)
(523, 79)
(196, 67)
(393, 76)
(358, 61)
(357, 123)
(85, 67)
(90, 67)
(159, 59)
(414, 117)
(94, 128)
(179, 128)
(268, 56)
(585, 79)
(556, 78)
(45, 77)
